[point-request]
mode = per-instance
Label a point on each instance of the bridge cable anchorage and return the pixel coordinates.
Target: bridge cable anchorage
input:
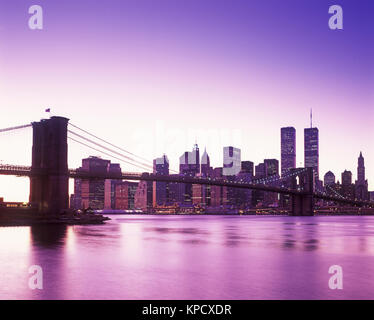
(110, 150)
(108, 154)
(117, 147)
(16, 128)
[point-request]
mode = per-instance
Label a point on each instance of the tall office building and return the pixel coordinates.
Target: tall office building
(271, 167)
(346, 177)
(371, 195)
(258, 195)
(231, 161)
(161, 189)
(206, 169)
(361, 184)
(143, 199)
(125, 195)
(361, 168)
(189, 165)
(311, 150)
(347, 187)
(201, 194)
(288, 149)
(329, 179)
(217, 192)
(260, 171)
(247, 167)
(231, 168)
(98, 193)
(110, 187)
(189, 162)
(271, 170)
(245, 175)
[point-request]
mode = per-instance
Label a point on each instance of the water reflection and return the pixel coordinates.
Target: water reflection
(48, 236)
(188, 257)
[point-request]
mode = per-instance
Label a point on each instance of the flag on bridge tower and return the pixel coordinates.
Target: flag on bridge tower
(48, 110)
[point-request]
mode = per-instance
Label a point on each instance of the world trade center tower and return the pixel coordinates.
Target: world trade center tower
(288, 149)
(311, 150)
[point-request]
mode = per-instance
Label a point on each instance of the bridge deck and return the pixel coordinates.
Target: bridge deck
(77, 174)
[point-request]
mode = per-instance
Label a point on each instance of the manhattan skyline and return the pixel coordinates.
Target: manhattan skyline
(154, 81)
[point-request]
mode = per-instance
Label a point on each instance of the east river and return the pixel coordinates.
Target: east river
(191, 257)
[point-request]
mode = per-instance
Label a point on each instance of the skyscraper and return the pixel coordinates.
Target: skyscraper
(96, 193)
(189, 162)
(361, 184)
(288, 149)
(161, 189)
(258, 195)
(271, 170)
(125, 195)
(231, 161)
(347, 188)
(361, 168)
(143, 198)
(311, 150)
(260, 171)
(271, 167)
(231, 168)
(346, 177)
(329, 179)
(206, 169)
(189, 165)
(110, 187)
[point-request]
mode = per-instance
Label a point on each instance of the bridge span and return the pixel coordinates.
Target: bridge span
(49, 175)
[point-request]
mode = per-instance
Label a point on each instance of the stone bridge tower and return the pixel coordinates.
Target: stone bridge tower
(303, 204)
(49, 182)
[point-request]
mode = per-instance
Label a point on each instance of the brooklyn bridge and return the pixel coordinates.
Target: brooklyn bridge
(49, 175)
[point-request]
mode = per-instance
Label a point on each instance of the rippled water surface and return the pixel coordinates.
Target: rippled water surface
(191, 257)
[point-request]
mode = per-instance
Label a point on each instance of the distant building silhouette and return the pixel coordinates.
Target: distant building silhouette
(288, 149)
(271, 170)
(189, 162)
(189, 165)
(361, 184)
(247, 167)
(258, 195)
(311, 150)
(231, 168)
(144, 196)
(347, 187)
(161, 189)
(95, 194)
(329, 179)
(206, 169)
(201, 194)
(125, 195)
(371, 195)
(217, 194)
(231, 161)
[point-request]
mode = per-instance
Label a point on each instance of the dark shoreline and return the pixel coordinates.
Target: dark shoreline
(22, 219)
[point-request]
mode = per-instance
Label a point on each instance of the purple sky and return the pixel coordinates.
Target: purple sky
(154, 76)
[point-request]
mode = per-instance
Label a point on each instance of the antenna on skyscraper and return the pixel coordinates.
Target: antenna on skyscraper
(311, 117)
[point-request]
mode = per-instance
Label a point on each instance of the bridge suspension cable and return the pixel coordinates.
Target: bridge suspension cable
(107, 142)
(276, 178)
(335, 192)
(16, 128)
(108, 154)
(111, 150)
(142, 162)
